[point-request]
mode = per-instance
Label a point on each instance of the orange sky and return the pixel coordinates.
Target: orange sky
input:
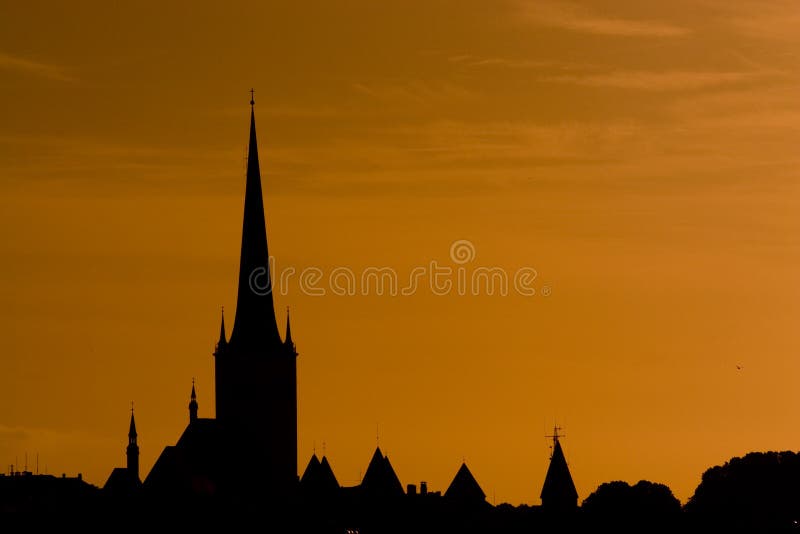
(642, 157)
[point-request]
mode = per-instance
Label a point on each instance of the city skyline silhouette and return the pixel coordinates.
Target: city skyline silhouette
(639, 160)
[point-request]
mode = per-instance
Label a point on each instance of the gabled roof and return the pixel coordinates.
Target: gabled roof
(558, 490)
(464, 487)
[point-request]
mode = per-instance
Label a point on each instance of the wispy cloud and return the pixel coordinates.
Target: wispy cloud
(773, 21)
(657, 80)
(513, 63)
(412, 91)
(577, 18)
(53, 72)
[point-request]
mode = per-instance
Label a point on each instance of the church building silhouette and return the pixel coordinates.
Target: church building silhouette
(256, 415)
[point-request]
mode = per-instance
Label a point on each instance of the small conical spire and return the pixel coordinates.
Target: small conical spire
(222, 327)
(288, 340)
(193, 405)
(132, 431)
(558, 491)
(132, 452)
(221, 342)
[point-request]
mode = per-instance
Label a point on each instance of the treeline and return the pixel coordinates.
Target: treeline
(759, 492)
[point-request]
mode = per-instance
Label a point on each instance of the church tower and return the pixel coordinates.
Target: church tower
(133, 451)
(256, 371)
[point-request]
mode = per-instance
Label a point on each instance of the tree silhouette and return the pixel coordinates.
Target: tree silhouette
(645, 506)
(760, 491)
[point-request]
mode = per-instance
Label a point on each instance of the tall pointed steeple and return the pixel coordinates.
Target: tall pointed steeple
(255, 372)
(132, 451)
(254, 326)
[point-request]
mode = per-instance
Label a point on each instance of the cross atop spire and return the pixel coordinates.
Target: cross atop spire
(555, 435)
(252, 97)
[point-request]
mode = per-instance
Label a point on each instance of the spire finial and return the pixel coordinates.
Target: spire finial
(252, 97)
(131, 407)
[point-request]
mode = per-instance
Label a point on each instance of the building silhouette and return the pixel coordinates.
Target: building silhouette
(256, 387)
(256, 419)
(125, 481)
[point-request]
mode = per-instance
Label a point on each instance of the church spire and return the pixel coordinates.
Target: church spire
(254, 326)
(288, 340)
(221, 342)
(132, 452)
(193, 405)
(132, 435)
(558, 492)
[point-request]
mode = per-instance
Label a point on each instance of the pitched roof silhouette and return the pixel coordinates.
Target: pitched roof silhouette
(326, 474)
(195, 464)
(311, 470)
(464, 487)
(558, 490)
(121, 482)
(380, 478)
(318, 477)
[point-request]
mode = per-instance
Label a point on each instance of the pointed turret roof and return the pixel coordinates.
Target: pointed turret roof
(318, 478)
(558, 490)
(254, 327)
(327, 478)
(380, 478)
(312, 469)
(464, 487)
(194, 395)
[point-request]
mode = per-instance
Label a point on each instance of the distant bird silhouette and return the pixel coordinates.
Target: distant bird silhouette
(739, 367)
